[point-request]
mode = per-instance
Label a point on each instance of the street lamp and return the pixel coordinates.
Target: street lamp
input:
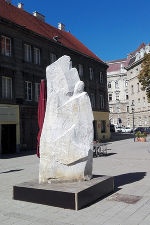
(132, 108)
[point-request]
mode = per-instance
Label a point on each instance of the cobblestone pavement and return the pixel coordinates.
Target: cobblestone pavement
(129, 162)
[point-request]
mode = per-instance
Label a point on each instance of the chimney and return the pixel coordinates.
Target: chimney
(39, 16)
(61, 26)
(8, 1)
(20, 5)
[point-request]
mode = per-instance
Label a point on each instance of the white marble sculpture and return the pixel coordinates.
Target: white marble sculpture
(67, 134)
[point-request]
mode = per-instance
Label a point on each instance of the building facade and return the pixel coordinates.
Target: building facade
(125, 90)
(118, 96)
(138, 96)
(27, 46)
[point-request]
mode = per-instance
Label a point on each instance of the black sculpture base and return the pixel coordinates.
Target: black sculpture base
(75, 195)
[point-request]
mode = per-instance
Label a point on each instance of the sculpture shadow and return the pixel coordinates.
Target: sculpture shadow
(12, 171)
(119, 181)
(128, 178)
(19, 154)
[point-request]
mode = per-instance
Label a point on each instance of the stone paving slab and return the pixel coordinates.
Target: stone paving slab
(131, 167)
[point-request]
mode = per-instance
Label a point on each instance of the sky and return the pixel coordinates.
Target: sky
(109, 28)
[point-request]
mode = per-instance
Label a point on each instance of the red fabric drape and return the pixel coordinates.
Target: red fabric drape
(41, 113)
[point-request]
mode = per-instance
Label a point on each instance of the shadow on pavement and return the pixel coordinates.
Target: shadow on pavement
(15, 155)
(128, 178)
(120, 136)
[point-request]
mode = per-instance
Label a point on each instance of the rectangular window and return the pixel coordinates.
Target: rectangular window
(127, 97)
(101, 78)
(91, 73)
(6, 87)
(109, 84)
(110, 97)
(80, 70)
(93, 100)
(117, 96)
(103, 126)
(144, 100)
(110, 109)
(102, 102)
(28, 90)
(126, 83)
(117, 109)
(37, 91)
(53, 57)
(37, 56)
(132, 89)
(138, 87)
(6, 46)
(27, 53)
(116, 84)
(127, 108)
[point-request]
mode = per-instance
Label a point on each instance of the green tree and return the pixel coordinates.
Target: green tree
(144, 75)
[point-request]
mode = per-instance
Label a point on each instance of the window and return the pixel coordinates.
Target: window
(93, 100)
(28, 90)
(110, 109)
(37, 91)
(109, 84)
(6, 46)
(138, 87)
(109, 97)
(118, 109)
(132, 102)
(91, 73)
(116, 84)
(80, 70)
(103, 126)
(132, 89)
(6, 87)
(127, 97)
(37, 56)
(127, 108)
(126, 83)
(102, 102)
(27, 53)
(138, 100)
(53, 57)
(101, 78)
(144, 100)
(117, 95)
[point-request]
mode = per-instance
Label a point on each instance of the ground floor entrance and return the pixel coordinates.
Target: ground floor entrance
(8, 138)
(9, 129)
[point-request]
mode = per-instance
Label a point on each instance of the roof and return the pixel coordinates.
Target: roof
(117, 60)
(115, 65)
(28, 21)
(138, 49)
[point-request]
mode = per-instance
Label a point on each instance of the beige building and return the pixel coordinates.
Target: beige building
(137, 96)
(118, 96)
(125, 90)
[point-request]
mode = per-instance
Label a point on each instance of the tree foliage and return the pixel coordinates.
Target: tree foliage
(144, 75)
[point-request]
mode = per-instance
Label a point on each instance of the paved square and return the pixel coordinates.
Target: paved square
(130, 164)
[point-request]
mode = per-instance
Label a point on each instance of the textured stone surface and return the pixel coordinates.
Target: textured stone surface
(66, 195)
(67, 135)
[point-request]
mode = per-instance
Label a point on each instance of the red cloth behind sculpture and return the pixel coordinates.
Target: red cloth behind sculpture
(41, 113)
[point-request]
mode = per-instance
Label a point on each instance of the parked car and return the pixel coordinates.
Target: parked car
(143, 130)
(127, 130)
(118, 129)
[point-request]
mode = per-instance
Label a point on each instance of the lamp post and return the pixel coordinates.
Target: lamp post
(132, 108)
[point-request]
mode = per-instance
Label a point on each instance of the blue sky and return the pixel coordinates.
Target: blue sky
(109, 28)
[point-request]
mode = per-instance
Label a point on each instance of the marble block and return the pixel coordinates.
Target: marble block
(67, 134)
